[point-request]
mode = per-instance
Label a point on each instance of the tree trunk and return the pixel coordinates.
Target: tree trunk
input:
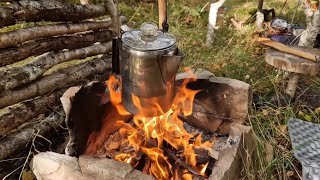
(13, 116)
(162, 5)
(309, 35)
(60, 79)
(45, 10)
(38, 47)
(17, 37)
(213, 13)
(17, 141)
(12, 77)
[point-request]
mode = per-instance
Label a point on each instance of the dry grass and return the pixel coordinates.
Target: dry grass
(235, 55)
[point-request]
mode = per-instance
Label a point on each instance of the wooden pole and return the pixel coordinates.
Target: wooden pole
(162, 5)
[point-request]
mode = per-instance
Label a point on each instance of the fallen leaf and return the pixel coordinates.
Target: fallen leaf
(283, 128)
(27, 175)
(290, 173)
(317, 111)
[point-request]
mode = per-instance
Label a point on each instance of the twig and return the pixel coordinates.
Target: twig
(180, 163)
(25, 162)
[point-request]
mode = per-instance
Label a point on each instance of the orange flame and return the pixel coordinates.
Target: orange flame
(148, 135)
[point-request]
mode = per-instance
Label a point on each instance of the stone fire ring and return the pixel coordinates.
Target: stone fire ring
(236, 152)
(53, 166)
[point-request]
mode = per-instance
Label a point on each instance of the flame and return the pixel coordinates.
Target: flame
(149, 135)
(115, 97)
(203, 170)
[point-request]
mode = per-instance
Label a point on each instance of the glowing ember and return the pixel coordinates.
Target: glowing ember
(162, 139)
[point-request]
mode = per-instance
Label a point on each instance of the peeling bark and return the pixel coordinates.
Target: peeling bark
(12, 77)
(213, 13)
(20, 36)
(18, 141)
(60, 79)
(38, 47)
(309, 35)
(13, 116)
(47, 10)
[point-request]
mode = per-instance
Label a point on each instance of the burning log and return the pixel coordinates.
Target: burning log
(57, 80)
(38, 47)
(17, 37)
(90, 114)
(180, 162)
(48, 10)
(13, 116)
(17, 141)
(16, 76)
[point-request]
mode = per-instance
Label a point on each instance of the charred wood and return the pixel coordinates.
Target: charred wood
(17, 141)
(47, 10)
(13, 116)
(14, 38)
(180, 162)
(16, 76)
(57, 80)
(38, 47)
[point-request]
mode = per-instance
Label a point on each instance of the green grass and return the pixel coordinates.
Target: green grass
(235, 55)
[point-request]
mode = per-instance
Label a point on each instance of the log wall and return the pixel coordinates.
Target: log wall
(78, 49)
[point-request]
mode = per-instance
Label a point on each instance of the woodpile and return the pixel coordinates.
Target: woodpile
(39, 63)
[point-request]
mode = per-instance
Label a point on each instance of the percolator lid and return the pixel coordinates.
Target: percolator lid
(148, 38)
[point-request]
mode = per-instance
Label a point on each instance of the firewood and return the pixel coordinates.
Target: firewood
(17, 141)
(38, 47)
(48, 10)
(57, 80)
(13, 116)
(12, 77)
(180, 162)
(14, 38)
(202, 155)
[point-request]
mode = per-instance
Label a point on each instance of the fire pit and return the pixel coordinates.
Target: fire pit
(200, 137)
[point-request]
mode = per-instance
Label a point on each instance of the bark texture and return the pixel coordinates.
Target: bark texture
(13, 116)
(17, 37)
(18, 141)
(60, 79)
(16, 76)
(309, 35)
(47, 10)
(38, 47)
(112, 11)
(213, 13)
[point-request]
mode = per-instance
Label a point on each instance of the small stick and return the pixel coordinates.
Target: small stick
(180, 163)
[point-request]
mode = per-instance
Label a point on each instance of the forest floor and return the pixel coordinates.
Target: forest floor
(235, 55)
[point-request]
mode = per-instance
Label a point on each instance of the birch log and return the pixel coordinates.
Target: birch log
(213, 13)
(18, 141)
(38, 47)
(60, 79)
(12, 77)
(13, 116)
(309, 35)
(47, 10)
(17, 37)
(112, 11)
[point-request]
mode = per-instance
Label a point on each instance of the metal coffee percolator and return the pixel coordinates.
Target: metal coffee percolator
(149, 61)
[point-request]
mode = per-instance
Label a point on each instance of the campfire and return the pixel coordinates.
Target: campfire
(159, 146)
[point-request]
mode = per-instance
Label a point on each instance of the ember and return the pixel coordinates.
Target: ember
(159, 146)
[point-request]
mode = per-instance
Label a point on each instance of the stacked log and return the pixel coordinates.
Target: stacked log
(30, 107)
